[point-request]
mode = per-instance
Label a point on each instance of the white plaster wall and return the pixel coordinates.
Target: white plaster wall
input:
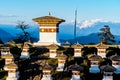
(48, 37)
(77, 54)
(25, 54)
(11, 60)
(52, 55)
(103, 54)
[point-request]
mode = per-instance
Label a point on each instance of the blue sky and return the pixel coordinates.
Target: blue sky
(13, 10)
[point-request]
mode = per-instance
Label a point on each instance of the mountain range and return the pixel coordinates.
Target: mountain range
(86, 31)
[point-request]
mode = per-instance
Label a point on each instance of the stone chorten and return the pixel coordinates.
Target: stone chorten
(47, 72)
(53, 50)
(94, 59)
(116, 62)
(61, 61)
(25, 51)
(76, 70)
(5, 49)
(107, 72)
(48, 29)
(13, 73)
(77, 49)
(8, 58)
(101, 48)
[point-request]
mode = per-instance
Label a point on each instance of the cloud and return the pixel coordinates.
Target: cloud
(7, 16)
(90, 23)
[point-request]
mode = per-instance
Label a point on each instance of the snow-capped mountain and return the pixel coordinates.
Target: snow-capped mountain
(86, 31)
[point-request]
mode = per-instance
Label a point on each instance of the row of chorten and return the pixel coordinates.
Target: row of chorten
(13, 73)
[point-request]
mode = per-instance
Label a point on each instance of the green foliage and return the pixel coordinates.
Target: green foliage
(61, 75)
(69, 52)
(3, 75)
(112, 51)
(106, 36)
(88, 50)
(53, 62)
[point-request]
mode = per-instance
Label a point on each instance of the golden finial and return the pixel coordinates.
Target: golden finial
(49, 14)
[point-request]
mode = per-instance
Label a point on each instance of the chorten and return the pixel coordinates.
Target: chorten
(107, 72)
(8, 58)
(25, 51)
(5, 49)
(13, 73)
(94, 59)
(47, 72)
(49, 27)
(101, 48)
(77, 49)
(53, 50)
(76, 70)
(61, 61)
(116, 62)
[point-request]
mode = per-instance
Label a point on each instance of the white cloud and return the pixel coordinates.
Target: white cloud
(7, 16)
(89, 23)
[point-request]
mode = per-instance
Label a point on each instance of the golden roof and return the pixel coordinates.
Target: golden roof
(53, 46)
(50, 20)
(95, 57)
(27, 44)
(77, 45)
(101, 45)
(61, 56)
(11, 66)
(8, 56)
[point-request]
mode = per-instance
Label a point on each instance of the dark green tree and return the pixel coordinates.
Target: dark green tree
(106, 36)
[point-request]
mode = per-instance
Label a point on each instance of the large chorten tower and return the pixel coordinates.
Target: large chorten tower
(49, 27)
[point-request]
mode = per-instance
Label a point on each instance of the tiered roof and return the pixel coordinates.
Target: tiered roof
(61, 56)
(76, 67)
(115, 57)
(48, 20)
(108, 68)
(77, 45)
(95, 57)
(101, 45)
(11, 66)
(53, 46)
(8, 56)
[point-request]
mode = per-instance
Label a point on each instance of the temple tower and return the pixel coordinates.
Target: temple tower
(53, 50)
(25, 51)
(107, 72)
(48, 29)
(76, 70)
(77, 49)
(101, 48)
(8, 58)
(94, 60)
(5, 49)
(116, 63)
(13, 73)
(47, 72)
(61, 61)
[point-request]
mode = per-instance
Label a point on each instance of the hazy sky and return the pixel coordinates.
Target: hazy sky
(26, 10)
